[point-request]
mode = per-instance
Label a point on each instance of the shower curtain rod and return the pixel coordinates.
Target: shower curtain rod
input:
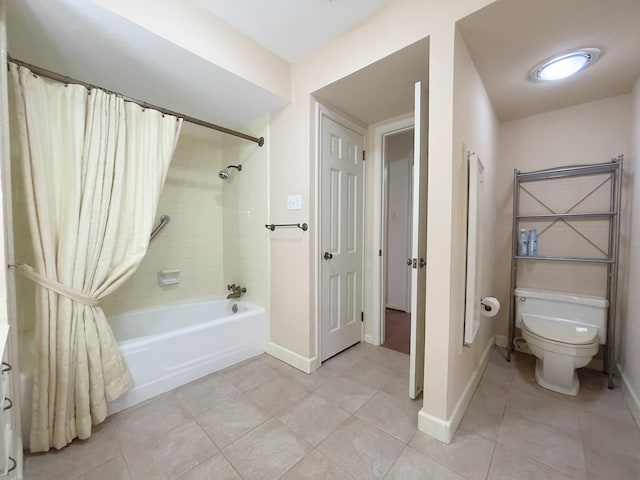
(64, 79)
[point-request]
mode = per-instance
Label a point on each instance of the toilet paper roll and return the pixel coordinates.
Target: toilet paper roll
(490, 306)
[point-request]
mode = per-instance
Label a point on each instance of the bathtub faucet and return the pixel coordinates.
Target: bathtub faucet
(236, 291)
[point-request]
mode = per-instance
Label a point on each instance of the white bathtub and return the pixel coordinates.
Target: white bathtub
(165, 347)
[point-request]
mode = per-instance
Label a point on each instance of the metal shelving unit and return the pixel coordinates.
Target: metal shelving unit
(612, 171)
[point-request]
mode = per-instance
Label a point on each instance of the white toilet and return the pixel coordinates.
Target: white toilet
(563, 330)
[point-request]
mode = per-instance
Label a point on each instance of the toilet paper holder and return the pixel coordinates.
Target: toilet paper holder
(486, 306)
(490, 306)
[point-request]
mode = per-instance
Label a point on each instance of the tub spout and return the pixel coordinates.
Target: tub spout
(236, 291)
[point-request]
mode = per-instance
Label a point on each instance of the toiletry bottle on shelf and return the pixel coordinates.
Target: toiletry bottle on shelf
(523, 241)
(532, 245)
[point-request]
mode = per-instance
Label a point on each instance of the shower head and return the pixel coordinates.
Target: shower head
(224, 173)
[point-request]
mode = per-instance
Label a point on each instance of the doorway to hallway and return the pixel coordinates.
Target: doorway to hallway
(397, 156)
(397, 330)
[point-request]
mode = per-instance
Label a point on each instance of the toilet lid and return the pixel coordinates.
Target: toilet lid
(560, 331)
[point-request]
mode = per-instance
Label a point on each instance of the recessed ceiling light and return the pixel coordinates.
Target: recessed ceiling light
(564, 65)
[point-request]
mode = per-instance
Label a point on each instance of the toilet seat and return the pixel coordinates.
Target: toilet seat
(560, 332)
(560, 348)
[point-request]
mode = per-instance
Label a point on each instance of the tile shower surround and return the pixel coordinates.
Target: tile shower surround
(351, 419)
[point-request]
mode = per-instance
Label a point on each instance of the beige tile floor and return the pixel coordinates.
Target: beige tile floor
(352, 420)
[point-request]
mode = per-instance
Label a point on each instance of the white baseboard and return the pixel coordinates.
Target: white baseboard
(369, 339)
(630, 395)
(307, 365)
(401, 308)
(444, 430)
(501, 341)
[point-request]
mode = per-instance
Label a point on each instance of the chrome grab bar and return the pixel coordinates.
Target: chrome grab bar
(164, 221)
(302, 226)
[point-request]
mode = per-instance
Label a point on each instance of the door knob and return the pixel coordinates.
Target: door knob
(409, 261)
(328, 255)
(423, 262)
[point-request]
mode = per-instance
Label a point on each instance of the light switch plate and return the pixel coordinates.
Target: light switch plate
(294, 202)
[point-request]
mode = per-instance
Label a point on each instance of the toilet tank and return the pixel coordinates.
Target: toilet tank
(584, 309)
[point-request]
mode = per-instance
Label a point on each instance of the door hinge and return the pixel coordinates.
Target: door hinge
(363, 155)
(380, 252)
(362, 317)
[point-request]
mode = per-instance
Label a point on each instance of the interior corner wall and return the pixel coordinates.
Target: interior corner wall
(592, 132)
(630, 321)
(475, 125)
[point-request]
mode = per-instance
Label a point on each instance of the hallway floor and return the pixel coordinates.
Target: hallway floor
(397, 330)
(352, 419)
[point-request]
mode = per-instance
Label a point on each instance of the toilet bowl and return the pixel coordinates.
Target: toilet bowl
(564, 331)
(560, 347)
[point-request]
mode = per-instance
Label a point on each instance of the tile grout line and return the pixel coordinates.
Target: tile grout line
(232, 465)
(493, 452)
(196, 465)
(126, 464)
(84, 472)
(393, 464)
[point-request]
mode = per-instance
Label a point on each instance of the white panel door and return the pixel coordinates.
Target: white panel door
(341, 242)
(419, 242)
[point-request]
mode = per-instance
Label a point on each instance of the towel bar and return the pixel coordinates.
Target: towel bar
(304, 227)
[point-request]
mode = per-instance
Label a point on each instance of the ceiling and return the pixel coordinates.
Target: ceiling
(84, 41)
(507, 38)
(293, 28)
(382, 90)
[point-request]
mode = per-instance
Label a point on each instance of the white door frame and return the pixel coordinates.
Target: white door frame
(397, 125)
(322, 110)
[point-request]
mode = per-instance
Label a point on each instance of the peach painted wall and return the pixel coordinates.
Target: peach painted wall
(589, 133)
(630, 328)
(476, 126)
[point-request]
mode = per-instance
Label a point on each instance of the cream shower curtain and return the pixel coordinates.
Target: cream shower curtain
(94, 166)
